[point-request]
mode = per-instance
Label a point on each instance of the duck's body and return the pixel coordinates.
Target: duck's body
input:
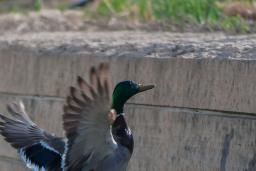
(117, 161)
(123, 145)
(97, 138)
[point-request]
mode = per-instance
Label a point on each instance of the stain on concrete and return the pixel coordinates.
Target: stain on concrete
(225, 150)
(252, 163)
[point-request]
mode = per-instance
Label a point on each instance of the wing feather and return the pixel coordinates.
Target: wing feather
(86, 122)
(38, 148)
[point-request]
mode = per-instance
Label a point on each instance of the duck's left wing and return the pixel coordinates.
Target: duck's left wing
(86, 122)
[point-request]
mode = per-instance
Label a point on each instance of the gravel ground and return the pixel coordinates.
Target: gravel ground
(75, 20)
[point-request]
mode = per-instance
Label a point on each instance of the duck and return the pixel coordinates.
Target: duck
(97, 136)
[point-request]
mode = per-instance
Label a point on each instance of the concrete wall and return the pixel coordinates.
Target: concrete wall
(199, 117)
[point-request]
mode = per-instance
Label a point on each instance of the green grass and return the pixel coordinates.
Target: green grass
(38, 5)
(199, 10)
(20, 7)
(176, 11)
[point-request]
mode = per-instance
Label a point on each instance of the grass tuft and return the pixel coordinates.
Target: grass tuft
(38, 5)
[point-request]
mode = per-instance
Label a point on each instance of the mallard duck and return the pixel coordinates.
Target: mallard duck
(97, 135)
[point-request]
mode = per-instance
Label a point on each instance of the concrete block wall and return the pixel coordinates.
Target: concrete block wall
(199, 117)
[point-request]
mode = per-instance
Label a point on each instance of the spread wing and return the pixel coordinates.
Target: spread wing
(37, 148)
(86, 121)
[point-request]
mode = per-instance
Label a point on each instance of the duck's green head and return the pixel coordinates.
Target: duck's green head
(125, 90)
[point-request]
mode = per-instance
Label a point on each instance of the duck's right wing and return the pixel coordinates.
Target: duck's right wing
(39, 149)
(87, 124)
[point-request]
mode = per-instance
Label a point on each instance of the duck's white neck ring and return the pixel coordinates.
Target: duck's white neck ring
(120, 114)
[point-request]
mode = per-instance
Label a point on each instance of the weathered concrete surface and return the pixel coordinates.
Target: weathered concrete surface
(169, 139)
(8, 164)
(196, 71)
(199, 117)
(166, 138)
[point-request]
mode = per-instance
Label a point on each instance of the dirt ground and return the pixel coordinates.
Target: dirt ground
(71, 20)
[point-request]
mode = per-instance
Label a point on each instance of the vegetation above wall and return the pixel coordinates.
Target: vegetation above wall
(170, 15)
